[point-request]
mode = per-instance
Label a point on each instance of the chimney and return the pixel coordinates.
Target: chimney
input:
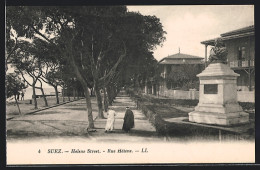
(179, 50)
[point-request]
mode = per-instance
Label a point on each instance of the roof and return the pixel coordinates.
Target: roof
(238, 33)
(182, 61)
(209, 42)
(180, 58)
(183, 56)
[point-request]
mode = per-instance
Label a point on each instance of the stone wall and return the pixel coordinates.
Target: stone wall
(246, 96)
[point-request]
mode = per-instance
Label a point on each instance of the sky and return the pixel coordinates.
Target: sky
(188, 25)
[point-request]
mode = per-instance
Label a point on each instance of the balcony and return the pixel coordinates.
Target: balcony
(241, 64)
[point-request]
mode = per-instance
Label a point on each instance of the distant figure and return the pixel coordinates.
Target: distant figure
(22, 96)
(128, 120)
(18, 95)
(110, 120)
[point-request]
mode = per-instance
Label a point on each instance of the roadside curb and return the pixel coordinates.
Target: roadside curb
(10, 118)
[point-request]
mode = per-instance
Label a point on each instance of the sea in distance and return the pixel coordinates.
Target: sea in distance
(28, 92)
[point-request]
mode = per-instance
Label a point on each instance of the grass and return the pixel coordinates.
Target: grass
(169, 111)
(186, 131)
(196, 132)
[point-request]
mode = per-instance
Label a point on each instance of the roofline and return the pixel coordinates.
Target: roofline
(201, 58)
(202, 62)
(161, 60)
(209, 42)
(212, 41)
(238, 33)
(240, 30)
(184, 58)
(195, 57)
(252, 33)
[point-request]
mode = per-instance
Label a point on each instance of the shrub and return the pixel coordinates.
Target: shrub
(247, 105)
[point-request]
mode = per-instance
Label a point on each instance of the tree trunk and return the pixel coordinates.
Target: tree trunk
(84, 84)
(44, 97)
(56, 94)
(92, 92)
(113, 92)
(78, 94)
(86, 92)
(63, 98)
(105, 101)
(109, 96)
(99, 103)
(18, 106)
(74, 94)
(68, 96)
(89, 108)
(34, 96)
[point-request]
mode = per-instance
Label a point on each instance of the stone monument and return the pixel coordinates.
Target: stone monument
(218, 92)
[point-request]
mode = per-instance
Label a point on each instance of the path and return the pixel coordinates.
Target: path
(69, 120)
(143, 130)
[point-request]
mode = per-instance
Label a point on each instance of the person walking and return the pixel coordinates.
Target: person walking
(128, 120)
(110, 120)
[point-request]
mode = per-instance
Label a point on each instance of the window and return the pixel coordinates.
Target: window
(241, 53)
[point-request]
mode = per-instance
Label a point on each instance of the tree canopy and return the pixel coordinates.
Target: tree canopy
(94, 43)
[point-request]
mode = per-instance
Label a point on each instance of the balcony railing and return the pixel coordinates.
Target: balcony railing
(241, 64)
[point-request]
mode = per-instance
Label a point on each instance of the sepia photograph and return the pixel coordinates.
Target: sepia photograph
(129, 84)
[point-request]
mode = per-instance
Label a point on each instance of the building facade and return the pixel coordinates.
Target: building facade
(172, 63)
(240, 44)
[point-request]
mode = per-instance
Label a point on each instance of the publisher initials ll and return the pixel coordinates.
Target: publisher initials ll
(144, 150)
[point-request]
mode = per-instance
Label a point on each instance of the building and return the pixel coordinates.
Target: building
(174, 62)
(240, 44)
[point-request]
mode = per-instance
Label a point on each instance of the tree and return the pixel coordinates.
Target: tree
(110, 36)
(26, 63)
(14, 85)
(52, 77)
(184, 76)
(51, 64)
(11, 42)
(93, 40)
(140, 63)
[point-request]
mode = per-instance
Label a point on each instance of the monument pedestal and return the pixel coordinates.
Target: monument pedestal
(218, 98)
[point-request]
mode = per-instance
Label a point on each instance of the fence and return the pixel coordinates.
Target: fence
(192, 94)
(181, 94)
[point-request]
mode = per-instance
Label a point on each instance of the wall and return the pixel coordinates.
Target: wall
(232, 47)
(180, 94)
(242, 96)
(246, 96)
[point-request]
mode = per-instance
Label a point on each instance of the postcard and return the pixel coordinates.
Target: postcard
(127, 84)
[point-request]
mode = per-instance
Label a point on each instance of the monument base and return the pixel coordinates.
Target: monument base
(226, 119)
(218, 97)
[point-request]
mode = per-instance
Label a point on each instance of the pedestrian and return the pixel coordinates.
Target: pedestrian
(110, 120)
(22, 96)
(18, 95)
(128, 120)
